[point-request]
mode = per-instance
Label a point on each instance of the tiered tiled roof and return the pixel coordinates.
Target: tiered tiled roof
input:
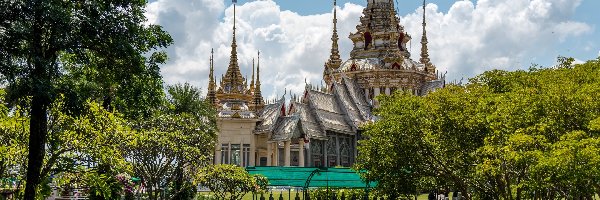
(341, 110)
(328, 111)
(287, 128)
(269, 116)
(358, 97)
(431, 86)
(310, 126)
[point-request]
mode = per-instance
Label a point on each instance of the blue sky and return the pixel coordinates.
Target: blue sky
(575, 47)
(466, 37)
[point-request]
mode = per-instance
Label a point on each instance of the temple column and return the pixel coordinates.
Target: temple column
(218, 154)
(252, 154)
(287, 154)
(276, 157)
(269, 154)
(337, 150)
(325, 154)
(367, 94)
(387, 91)
(301, 153)
(377, 92)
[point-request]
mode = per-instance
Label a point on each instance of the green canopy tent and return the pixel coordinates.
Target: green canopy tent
(312, 177)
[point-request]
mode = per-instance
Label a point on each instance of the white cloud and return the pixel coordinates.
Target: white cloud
(469, 39)
(474, 37)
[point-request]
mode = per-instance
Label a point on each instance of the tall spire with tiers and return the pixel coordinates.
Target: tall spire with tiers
(424, 51)
(258, 99)
(334, 58)
(379, 34)
(211, 83)
(334, 61)
(252, 82)
(233, 82)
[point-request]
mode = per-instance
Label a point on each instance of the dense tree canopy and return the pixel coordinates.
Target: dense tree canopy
(108, 35)
(504, 135)
(230, 181)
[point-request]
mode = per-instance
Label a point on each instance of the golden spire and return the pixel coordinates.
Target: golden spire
(252, 82)
(233, 82)
(212, 70)
(211, 82)
(424, 54)
(334, 61)
(258, 99)
(257, 89)
(334, 58)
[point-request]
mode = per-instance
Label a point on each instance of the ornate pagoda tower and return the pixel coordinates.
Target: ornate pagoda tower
(238, 105)
(233, 92)
(379, 61)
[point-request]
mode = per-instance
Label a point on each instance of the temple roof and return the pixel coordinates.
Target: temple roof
(287, 128)
(235, 109)
(431, 86)
(377, 63)
(270, 114)
(310, 126)
(358, 97)
(347, 103)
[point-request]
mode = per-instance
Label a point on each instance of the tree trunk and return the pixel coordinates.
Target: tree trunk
(150, 192)
(37, 139)
(179, 182)
(38, 123)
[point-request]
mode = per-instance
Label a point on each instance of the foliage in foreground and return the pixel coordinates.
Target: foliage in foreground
(504, 135)
(108, 36)
(230, 181)
(98, 149)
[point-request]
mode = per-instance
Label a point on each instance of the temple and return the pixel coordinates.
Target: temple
(321, 126)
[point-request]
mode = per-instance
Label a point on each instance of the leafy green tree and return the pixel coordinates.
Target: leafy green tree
(185, 98)
(166, 142)
(504, 135)
(35, 34)
(230, 181)
(75, 144)
(14, 126)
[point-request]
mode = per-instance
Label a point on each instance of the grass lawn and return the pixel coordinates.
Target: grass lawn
(292, 195)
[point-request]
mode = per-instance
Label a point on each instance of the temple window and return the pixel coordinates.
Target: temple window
(368, 39)
(331, 152)
(235, 155)
(316, 152)
(345, 152)
(400, 39)
(225, 154)
(246, 155)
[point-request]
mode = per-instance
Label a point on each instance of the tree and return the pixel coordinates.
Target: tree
(504, 135)
(185, 98)
(34, 34)
(230, 181)
(166, 142)
(13, 141)
(75, 144)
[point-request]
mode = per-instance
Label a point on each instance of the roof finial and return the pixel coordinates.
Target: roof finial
(334, 57)
(211, 82)
(258, 99)
(258, 71)
(252, 81)
(234, 2)
(424, 51)
(335, 60)
(212, 70)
